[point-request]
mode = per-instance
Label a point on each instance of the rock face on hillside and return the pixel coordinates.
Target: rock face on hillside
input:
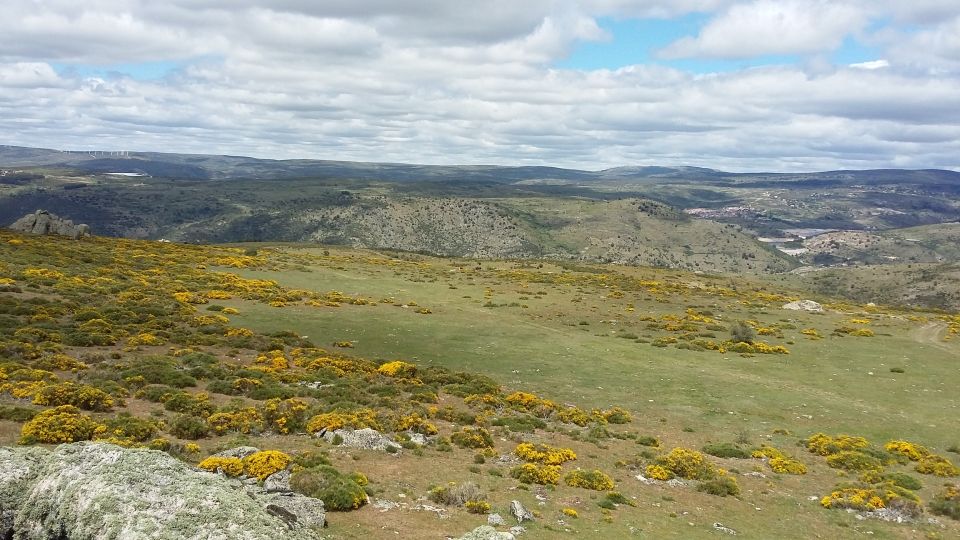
(43, 222)
(101, 491)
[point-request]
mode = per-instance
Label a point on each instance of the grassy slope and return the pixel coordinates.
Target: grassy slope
(686, 397)
(564, 346)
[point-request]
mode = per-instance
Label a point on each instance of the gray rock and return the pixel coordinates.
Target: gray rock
(804, 305)
(239, 452)
(517, 530)
(418, 439)
(486, 532)
(296, 510)
(496, 520)
(105, 492)
(519, 512)
(278, 482)
(43, 222)
(366, 438)
(724, 529)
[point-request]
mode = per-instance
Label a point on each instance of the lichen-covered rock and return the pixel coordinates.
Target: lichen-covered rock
(43, 222)
(519, 512)
(239, 452)
(486, 532)
(97, 491)
(297, 511)
(496, 520)
(278, 482)
(804, 305)
(366, 438)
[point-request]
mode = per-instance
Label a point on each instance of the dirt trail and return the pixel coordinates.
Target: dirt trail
(930, 334)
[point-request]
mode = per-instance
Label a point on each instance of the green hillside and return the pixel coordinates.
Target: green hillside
(210, 347)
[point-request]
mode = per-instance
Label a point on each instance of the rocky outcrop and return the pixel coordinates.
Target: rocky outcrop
(519, 512)
(43, 222)
(86, 491)
(366, 439)
(804, 305)
(486, 532)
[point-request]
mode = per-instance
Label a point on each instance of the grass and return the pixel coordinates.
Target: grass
(821, 385)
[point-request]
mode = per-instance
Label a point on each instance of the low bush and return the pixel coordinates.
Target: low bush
(339, 492)
(520, 424)
(937, 466)
(472, 438)
(529, 473)
(725, 450)
(264, 463)
(229, 466)
(456, 494)
(189, 427)
(947, 502)
(595, 480)
(126, 426)
(63, 424)
(853, 461)
(721, 486)
(688, 464)
(544, 454)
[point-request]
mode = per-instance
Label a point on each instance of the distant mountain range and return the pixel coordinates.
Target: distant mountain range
(218, 167)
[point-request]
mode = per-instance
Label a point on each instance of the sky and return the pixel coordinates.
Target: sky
(762, 85)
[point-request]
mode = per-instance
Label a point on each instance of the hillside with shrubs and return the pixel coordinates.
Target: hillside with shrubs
(355, 398)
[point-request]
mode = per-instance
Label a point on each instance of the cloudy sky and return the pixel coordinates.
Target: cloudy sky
(737, 85)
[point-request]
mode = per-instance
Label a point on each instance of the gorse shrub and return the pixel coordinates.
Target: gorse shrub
(937, 466)
(912, 451)
(399, 369)
(595, 480)
(63, 424)
(853, 461)
(472, 438)
(264, 463)
(229, 466)
(542, 453)
(359, 419)
(529, 473)
(79, 395)
(685, 463)
(826, 445)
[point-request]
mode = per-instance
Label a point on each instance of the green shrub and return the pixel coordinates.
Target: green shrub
(338, 492)
(850, 460)
(648, 440)
(189, 427)
(520, 424)
(472, 438)
(595, 480)
(79, 395)
(741, 332)
(192, 404)
(721, 486)
(157, 393)
(725, 450)
(160, 370)
(947, 502)
(17, 414)
(456, 494)
(125, 426)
